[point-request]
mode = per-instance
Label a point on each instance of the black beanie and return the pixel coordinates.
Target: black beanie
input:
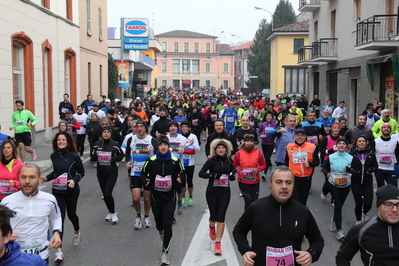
(387, 192)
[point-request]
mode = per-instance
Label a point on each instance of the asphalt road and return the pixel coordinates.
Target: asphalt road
(107, 244)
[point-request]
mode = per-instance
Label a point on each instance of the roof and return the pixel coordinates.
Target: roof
(301, 27)
(244, 46)
(184, 34)
(224, 49)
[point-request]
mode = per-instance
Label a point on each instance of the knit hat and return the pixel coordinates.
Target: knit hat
(107, 129)
(173, 123)
(249, 137)
(163, 139)
(387, 192)
(185, 123)
(384, 111)
(342, 139)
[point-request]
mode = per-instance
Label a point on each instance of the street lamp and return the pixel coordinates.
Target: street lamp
(242, 58)
(259, 8)
(218, 86)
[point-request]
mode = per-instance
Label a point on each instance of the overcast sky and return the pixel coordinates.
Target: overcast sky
(211, 17)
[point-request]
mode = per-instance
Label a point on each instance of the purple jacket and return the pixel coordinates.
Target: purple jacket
(264, 127)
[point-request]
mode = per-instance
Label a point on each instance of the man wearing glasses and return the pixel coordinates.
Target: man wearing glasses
(378, 238)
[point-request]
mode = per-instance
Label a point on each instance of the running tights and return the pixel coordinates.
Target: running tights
(363, 196)
(301, 189)
(80, 141)
(339, 195)
(107, 186)
(267, 153)
(250, 193)
(188, 176)
(163, 215)
(217, 204)
(387, 176)
(68, 202)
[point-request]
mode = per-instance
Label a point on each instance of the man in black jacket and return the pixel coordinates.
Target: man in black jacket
(219, 134)
(278, 224)
(161, 126)
(64, 106)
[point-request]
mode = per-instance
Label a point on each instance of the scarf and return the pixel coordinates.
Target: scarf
(164, 157)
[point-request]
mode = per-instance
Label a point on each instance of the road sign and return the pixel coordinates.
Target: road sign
(135, 40)
(239, 78)
(135, 46)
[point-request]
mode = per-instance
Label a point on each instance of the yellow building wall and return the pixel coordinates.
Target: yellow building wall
(154, 74)
(282, 54)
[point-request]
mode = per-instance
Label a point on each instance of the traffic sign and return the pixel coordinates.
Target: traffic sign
(135, 46)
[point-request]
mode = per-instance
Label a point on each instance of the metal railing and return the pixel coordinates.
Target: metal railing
(305, 54)
(325, 47)
(376, 28)
(308, 2)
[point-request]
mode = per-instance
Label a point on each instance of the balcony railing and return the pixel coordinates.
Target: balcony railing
(378, 28)
(325, 47)
(305, 54)
(309, 5)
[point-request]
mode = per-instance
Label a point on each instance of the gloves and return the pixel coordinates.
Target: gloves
(232, 176)
(330, 151)
(215, 175)
(370, 170)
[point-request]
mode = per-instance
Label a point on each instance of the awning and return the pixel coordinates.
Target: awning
(379, 59)
(186, 81)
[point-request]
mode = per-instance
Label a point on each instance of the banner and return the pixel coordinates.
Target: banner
(389, 92)
(123, 74)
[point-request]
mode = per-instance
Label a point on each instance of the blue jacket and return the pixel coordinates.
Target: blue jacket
(283, 139)
(230, 117)
(336, 164)
(17, 258)
(327, 122)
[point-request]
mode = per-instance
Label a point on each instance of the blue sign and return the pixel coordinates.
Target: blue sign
(135, 46)
(145, 60)
(135, 27)
(135, 40)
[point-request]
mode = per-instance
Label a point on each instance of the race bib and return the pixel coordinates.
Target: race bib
(31, 246)
(316, 108)
(5, 188)
(223, 181)
(385, 158)
(248, 174)
(163, 184)
(104, 158)
(267, 129)
(69, 129)
(60, 182)
(138, 166)
(195, 122)
(280, 256)
(63, 110)
(81, 122)
(230, 119)
(340, 179)
(20, 122)
(214, 117)
(186, 160)
(300, 157)
(313, 139)
(251, 124)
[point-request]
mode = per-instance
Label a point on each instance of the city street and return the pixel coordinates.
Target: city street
(107, 244)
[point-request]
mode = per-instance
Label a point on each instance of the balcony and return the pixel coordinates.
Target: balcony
(305, 56)
(377, 33)
(325, 50)
(309, 5)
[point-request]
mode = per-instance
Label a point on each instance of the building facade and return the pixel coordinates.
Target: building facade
(353, 55)
(241, 73)
(286, 76)
(191, 59)
(93, 48)
(39, 51)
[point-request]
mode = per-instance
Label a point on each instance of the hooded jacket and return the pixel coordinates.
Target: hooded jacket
(17, 258)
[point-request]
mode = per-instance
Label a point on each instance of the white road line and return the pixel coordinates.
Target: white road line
(200, 251)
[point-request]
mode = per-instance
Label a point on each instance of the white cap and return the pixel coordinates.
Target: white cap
(138, 98)
(107, 100)
(117, 100)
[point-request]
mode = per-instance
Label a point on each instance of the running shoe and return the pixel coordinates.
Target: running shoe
(179, 207)
(183, 201)
(240, 195)
(263, 178)
(165, 258)
(190, 202)
(115, 218)
(147, 222)
(340, 234)
(81, 158)
(76, 239)
(108, 217)
(358, 222)
(212, 233)
(218, 248)
(365, 217)
(332, 204)
(161, 235)
(323, 197)
(59, 257)
(174, 219)
(33, 154)
(138, 223)
(203, 139)
(333, 227)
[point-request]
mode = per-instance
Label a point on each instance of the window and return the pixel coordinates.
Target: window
(333, 16)
(176, 47)
(176, 65)
(186, 47)
(100, 24)
(295, 80)
(358, 6)
(164, 83)
(67, 73)
(164, 47)
(207, 83)
(101, 79)
(176, 83)
(195, 64)
(225, 84)
(45, 3)
(208, 67)
(208, 47)
(185, 65)
(297, 44)
(47, 84)
(196, 47)
(18, 70)
(69, 9)
(235, 65)
(316, 29)
(88, 18)
(225, 67)
(70, 74)
(164, 66)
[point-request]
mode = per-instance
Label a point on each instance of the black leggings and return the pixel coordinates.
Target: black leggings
(363, 196)
(217, 204)
(188, 176)
(250, 193)
(68, 202)
(197, 132)
(339, 195)
(107, 185)
(163, 215)
(267, 153)
(80, 140)
(387, 176)
(301, 189)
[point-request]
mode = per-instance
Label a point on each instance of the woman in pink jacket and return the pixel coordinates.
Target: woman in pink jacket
(9, 169)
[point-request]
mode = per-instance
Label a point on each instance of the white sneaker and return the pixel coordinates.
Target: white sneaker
(323, 197)
(340, 234)
(138, 223)
(108, 217)
(59, 257)
(81, 158)
(333, 227)
(147, 222)
(358, 222)
(240, 195)
(114, 218)
(76, 239)
(364, 217)
(165, 258)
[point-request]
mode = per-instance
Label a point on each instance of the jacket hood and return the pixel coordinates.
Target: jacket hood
(214, 143)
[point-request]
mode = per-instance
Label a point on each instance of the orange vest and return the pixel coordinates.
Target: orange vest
(249, 160)
(299, 154)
